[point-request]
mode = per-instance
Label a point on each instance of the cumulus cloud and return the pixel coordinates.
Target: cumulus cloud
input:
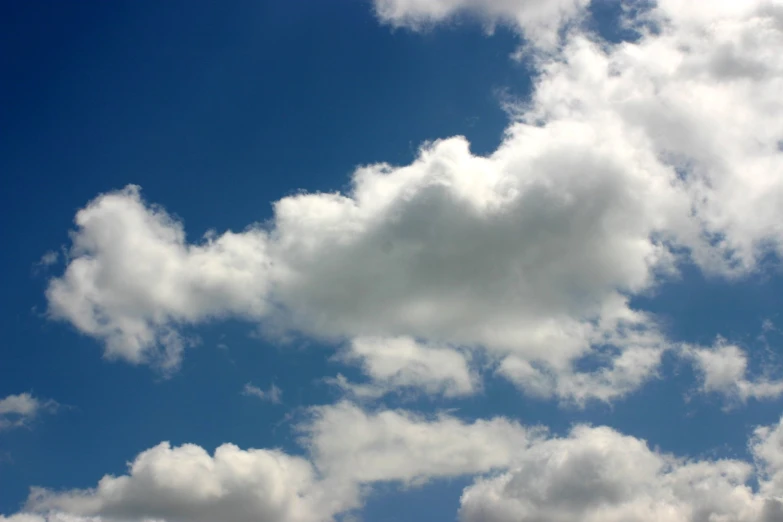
(540, 20)
(591, 474)
(627, 159)
(187, 484)
(273, 394)
(702, 94)
(348, 447)
(724, 370)
(350, 443)
(132, 278)
(401, 363)
(597, 474)
(19, 410)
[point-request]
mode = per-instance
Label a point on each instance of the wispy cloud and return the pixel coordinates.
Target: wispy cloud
(273, 394)
(19, 410)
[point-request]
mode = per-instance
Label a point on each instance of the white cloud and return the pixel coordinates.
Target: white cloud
(187, 484)
(349, 443)
(132, 278)
(724, 370)
(273, 394)
(48, 259)
(702, 95)
(625, 154)
(599, 475)
(540, 20)
(401, 363)
(19, 410)
(349, 448)
(593, 474)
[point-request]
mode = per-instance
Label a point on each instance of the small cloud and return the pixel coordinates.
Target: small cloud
(19, 410)
(222, 346)
(273, 394)
(49, 258)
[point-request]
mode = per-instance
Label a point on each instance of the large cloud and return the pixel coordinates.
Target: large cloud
(526, 252)
(597, 474)
(349, 448)
(627, 157)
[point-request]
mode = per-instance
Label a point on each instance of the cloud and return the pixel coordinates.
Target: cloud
(400, 364)
(48, 259)
(273, 394)
(628, 159)
(132, 278)
(701, 95)
(187, 484)
(591, 474)
(724, 370)
(19, 410)
(539, 20)
(350, 443)
(349, 450)
(598, 474)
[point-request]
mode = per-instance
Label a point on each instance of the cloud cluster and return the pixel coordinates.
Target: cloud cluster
(628, 159)
(597, 474)
(591, 474)
(348, 448)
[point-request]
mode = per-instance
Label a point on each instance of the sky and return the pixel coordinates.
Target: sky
(384, 260)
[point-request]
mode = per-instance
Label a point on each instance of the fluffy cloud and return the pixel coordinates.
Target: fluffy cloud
(597, 474)
(592, 474)
(19, 410)
(399, 364)
(540, 20)
(132, 277)
(527, 252)
(348, 442)
(187, 484)
(628, 158)
(724, 370)
(349, 448)
(702, 94)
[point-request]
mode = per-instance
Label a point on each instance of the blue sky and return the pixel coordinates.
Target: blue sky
(414, 260)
